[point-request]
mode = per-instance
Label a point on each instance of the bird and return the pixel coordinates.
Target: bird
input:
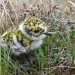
(27, 36)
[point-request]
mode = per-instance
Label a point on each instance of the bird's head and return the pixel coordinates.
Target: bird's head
(34, 28)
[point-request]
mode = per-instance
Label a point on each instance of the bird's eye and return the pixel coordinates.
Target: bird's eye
(36, 31)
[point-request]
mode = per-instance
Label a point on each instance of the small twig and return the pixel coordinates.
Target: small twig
(7, 13)
(14, 10)
(71, 3)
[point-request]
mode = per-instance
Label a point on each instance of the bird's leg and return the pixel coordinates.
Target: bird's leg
(17, 71)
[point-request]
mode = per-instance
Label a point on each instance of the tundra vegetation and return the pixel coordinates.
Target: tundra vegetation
(57, 54)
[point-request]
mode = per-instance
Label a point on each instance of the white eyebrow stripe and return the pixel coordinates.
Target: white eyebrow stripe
(4, 34)
(41, 26)
(16, 42)
(21, 28)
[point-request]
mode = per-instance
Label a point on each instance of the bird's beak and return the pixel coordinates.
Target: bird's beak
(49, 33)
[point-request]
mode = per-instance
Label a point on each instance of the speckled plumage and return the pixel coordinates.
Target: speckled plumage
(28, 36)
